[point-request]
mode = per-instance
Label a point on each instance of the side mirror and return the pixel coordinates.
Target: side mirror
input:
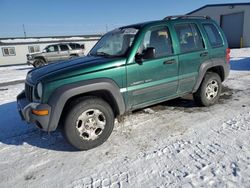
(44, 51)
(148, 53)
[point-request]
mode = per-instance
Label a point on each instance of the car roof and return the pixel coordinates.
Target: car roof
(140, 25)
(178, 18)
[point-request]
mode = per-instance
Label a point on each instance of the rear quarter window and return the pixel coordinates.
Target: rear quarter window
(74, 46)
(213, 34)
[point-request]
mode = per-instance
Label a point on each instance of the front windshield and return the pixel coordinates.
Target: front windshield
(115, 43)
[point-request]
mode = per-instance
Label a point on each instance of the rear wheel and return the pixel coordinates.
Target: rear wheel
(209, 90)
(39, 63)
(73, 56)
(89, 123)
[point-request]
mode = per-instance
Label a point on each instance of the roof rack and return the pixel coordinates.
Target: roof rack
(185, 17)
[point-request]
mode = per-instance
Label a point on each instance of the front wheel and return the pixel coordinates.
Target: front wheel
(39, 63)
(209, 90)
(89, 123)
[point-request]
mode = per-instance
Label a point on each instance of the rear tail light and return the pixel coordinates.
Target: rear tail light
(228, 55)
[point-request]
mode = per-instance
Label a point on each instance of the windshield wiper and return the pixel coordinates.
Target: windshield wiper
(102, 54)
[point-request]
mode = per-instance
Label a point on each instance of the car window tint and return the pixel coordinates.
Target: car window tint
(78, 46)
(74, 46)
(53, 48)
(189, 37)
(64, 47)
(160, 40)
(213, 34)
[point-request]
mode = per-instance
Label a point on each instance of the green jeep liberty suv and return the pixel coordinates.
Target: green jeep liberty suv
(129, 68)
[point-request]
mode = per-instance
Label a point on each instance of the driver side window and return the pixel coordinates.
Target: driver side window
(53, 48)
(160, 40)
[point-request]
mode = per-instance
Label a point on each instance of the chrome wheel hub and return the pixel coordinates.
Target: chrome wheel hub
(90, 124)
(212, 89)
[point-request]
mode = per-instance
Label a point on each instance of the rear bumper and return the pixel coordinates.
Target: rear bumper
(25, 110)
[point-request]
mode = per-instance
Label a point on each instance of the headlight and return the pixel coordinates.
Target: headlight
(39, 90)
(29, 57)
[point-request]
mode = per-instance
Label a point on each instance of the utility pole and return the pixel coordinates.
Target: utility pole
(107, 28)
(24, 32)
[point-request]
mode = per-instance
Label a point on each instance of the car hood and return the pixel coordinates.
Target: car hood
(34, 54)
(64, 68)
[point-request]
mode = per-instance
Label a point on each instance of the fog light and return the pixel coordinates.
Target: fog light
(40, 112)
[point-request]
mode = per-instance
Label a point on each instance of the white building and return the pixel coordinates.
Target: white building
(13, 50)
(234, 19)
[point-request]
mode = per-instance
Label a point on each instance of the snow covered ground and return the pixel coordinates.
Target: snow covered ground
(172, 144)
(13, 73)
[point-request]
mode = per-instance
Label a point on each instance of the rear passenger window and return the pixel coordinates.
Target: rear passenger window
(160, 40)
(189, 37)
(213, 34)
(64, 47)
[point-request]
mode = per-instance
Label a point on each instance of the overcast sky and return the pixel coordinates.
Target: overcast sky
(77, 17)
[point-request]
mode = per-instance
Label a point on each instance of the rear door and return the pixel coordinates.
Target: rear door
(64, 51)
(192, 54)
(153, 80)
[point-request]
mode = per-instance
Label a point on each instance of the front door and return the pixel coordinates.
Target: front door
(52, 53)
(156, 79)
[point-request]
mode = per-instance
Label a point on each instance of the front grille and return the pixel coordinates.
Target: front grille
(29, 92)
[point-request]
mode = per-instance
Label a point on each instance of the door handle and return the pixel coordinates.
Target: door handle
(168, 62)
(203, 54)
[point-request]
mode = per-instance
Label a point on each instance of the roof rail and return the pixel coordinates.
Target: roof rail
(185, 17)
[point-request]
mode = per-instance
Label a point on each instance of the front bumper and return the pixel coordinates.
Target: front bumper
(25, 110)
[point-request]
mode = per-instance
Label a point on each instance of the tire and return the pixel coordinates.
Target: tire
(73, 56)
(209, 90)
(39, 63)
(88, 123)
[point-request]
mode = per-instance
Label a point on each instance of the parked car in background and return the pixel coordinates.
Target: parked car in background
(55, 52)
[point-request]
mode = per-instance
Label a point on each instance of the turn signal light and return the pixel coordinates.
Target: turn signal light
(40, 112)
(228, 55)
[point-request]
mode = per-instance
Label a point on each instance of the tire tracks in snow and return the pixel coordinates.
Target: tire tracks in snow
(212, 159)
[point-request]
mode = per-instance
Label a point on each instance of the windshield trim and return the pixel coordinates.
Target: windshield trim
(120, 30)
